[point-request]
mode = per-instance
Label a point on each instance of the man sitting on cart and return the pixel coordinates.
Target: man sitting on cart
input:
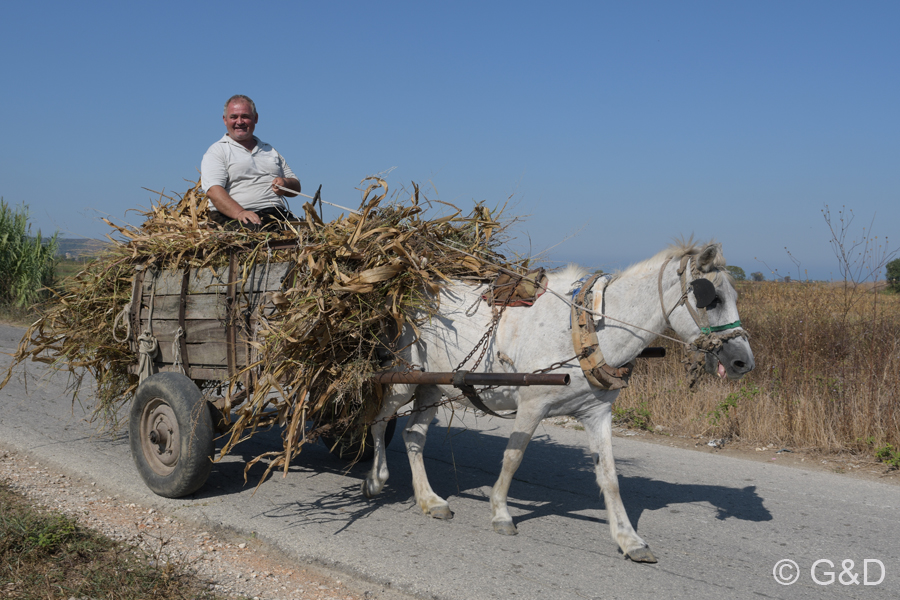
(244, 176)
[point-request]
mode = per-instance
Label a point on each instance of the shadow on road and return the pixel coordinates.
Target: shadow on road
(554, 479)
(558, 479)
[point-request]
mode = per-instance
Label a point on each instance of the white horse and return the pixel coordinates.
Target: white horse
(638, 305)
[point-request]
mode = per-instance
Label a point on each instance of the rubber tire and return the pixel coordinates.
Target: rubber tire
(175, 403)
(350, 451)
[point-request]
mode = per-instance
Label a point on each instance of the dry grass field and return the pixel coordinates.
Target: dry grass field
(826, 378)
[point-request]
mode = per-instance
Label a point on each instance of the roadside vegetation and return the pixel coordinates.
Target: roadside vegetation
(48, 555)
(893, 275)
(827, 374)
(31, 265)
(27, 261)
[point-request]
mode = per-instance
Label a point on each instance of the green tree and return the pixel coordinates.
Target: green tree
(737, 273)
(893, 275)
(757, 276)
(26, 261)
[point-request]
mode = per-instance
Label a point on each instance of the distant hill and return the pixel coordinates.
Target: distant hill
(80, 248)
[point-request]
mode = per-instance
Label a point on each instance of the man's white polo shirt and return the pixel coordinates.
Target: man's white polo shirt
(246, 176)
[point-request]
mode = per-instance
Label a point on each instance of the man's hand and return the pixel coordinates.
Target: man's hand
(246, 216)
(226, 205)
(292, 184)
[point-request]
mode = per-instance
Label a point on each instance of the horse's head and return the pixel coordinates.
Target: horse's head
(706, 314)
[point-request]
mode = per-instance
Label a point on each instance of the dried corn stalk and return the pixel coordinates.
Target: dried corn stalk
(360, 277)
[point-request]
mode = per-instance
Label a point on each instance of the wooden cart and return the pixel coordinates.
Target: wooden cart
(190, 327)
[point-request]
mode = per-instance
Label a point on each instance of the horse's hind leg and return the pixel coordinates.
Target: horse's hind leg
(378, 475)
(414, 436)
(598, 425)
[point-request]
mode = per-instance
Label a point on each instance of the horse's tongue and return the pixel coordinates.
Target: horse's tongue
(721, 370)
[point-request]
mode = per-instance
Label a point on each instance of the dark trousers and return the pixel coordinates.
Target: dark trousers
(272, 220)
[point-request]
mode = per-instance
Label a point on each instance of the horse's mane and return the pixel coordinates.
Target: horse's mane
(674, 251)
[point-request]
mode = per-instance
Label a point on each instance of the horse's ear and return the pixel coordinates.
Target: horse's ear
(710, 257)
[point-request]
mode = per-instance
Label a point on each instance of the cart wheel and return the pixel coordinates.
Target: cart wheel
(171, 434)
(351, 446)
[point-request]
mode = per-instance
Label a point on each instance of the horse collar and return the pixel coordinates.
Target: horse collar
(584, 338)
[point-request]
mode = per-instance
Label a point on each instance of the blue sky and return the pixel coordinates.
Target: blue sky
(626, 123)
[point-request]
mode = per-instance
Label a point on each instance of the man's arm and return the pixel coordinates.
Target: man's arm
(286, 182)
(227, 205)
(214, 174)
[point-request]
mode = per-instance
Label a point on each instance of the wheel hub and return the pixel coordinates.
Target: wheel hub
(160, 438)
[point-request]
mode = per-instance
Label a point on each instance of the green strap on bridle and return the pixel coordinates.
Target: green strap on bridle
(709, 330)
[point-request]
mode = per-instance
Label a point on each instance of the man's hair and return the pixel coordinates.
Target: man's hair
(238, 97)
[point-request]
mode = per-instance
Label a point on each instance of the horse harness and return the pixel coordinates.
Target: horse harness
(507, 290)
(584, 338)
(510, 289)
(596, 370)
(584, 334)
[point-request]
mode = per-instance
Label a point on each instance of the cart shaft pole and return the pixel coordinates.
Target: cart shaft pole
(421, 377)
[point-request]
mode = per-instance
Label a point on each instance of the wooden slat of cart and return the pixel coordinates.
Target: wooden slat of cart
(216, 310)
(207, 354)
(134, 314)
(231, 317)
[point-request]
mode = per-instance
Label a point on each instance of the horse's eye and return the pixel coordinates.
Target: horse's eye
(705, 293)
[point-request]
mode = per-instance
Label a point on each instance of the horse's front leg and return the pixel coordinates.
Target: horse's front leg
(378, 474)
(527, 419)
(414, 435)
(598, 425)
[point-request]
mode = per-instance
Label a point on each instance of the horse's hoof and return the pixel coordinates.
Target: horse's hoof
(365, 489)
(505, 528)
(441, 512)
(642, 554)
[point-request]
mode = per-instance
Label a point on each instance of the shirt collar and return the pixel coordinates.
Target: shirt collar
(260, 145)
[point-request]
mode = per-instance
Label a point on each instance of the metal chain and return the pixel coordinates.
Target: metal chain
(416, 410)
(557, 365)
(482, 343)
(410, 367)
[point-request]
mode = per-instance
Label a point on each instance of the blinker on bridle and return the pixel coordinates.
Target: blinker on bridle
(704, 293)
(706, 297)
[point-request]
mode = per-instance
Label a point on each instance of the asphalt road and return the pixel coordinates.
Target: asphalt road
(718, 525)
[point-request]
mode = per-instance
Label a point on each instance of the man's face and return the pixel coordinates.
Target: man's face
(240, 121)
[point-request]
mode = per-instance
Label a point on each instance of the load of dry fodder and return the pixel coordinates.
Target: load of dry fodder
(364, 275)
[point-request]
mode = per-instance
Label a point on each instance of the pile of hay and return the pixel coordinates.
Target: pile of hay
(361, 276)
